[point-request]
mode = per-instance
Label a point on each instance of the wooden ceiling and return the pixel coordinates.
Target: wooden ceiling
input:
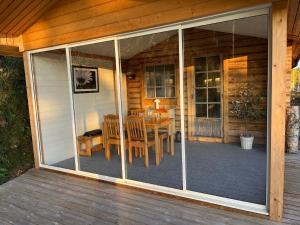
(294, 19)
(17, 15)
(294, 27)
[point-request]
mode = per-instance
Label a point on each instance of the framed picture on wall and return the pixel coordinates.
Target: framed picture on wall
(85, 79)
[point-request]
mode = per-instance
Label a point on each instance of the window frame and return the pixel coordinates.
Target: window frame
(161, 86)
(207, 102)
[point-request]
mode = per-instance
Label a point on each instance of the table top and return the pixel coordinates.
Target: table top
(158, 121)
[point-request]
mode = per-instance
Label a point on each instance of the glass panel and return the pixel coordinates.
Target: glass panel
(54, 108)
(95, 64)
(201, 95)
(214, 79)
(150, 81)
(227, 169)
(201, 110)
(201, 64)
(200, 79)
(163, 166)
(213, 63)
(151, 92)
(160, 92)
(170, 92)
(214, 110)
(214, 95)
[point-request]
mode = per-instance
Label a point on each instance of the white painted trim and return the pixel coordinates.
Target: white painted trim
(35, 110)
(69, 71)
(118, 78)
(182, 114)
(83, 174)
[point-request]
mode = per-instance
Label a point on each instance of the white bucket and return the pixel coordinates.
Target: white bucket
(246, 142)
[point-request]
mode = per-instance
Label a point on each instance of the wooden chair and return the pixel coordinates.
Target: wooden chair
(138, 137)
(111, 127)
(138, 112)
(164, 134)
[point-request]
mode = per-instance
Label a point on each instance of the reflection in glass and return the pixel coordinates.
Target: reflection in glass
(214, 95)
(214, 111)
(201, 95)
(201, 110)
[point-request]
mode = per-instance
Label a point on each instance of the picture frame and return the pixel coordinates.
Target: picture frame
(85, 79)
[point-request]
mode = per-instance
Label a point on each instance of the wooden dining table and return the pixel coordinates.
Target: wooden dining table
(155, 124)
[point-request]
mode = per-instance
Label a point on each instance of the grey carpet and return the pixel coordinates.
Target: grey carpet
(213, 168)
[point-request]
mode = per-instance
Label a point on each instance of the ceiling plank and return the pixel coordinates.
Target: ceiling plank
(13, 17)
(8, 11)
(296, 28)
(32, 17)
(292, 14)
(4, 5)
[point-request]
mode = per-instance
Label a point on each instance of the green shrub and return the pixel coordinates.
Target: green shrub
(15, 136)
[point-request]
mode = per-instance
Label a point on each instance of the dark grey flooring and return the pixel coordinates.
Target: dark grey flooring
(218, 169)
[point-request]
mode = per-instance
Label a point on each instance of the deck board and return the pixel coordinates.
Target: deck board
(44, 197)
(292, 190)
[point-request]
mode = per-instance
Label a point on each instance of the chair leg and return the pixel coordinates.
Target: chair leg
(146, 156)
(168, 144)
(107, 151)
(161, 148)
(136, 151)
(119, 150)
(130, 154)
(88, 147)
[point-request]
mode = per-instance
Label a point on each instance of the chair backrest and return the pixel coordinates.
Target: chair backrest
(112, 126)
(138, 112)
(136, 128)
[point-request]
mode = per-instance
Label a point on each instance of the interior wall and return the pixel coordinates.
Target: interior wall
(91, 107)
(53, 97)
(250, 64)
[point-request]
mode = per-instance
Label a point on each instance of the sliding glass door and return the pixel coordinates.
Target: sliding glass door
(226, 87)
(94, 85)
(181, 109)
(53, 100)
(150, 68)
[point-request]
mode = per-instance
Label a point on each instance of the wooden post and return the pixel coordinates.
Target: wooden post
(34, 137)
(278, 96)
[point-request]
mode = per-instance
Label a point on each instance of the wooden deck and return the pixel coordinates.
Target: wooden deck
(44, 197)
(292, 190)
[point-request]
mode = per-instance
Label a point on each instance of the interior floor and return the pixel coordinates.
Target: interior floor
(223, 170)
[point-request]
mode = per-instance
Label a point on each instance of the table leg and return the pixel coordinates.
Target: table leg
(157, 150)
(88, 144)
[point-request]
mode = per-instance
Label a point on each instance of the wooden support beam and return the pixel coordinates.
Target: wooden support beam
(10, 51)
(31, 109)
(277, 141)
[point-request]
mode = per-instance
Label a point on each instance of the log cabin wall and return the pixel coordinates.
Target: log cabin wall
(75, 20)
(250, 64)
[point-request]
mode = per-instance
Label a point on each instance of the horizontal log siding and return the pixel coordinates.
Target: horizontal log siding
(77, 20)
(250, 64)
